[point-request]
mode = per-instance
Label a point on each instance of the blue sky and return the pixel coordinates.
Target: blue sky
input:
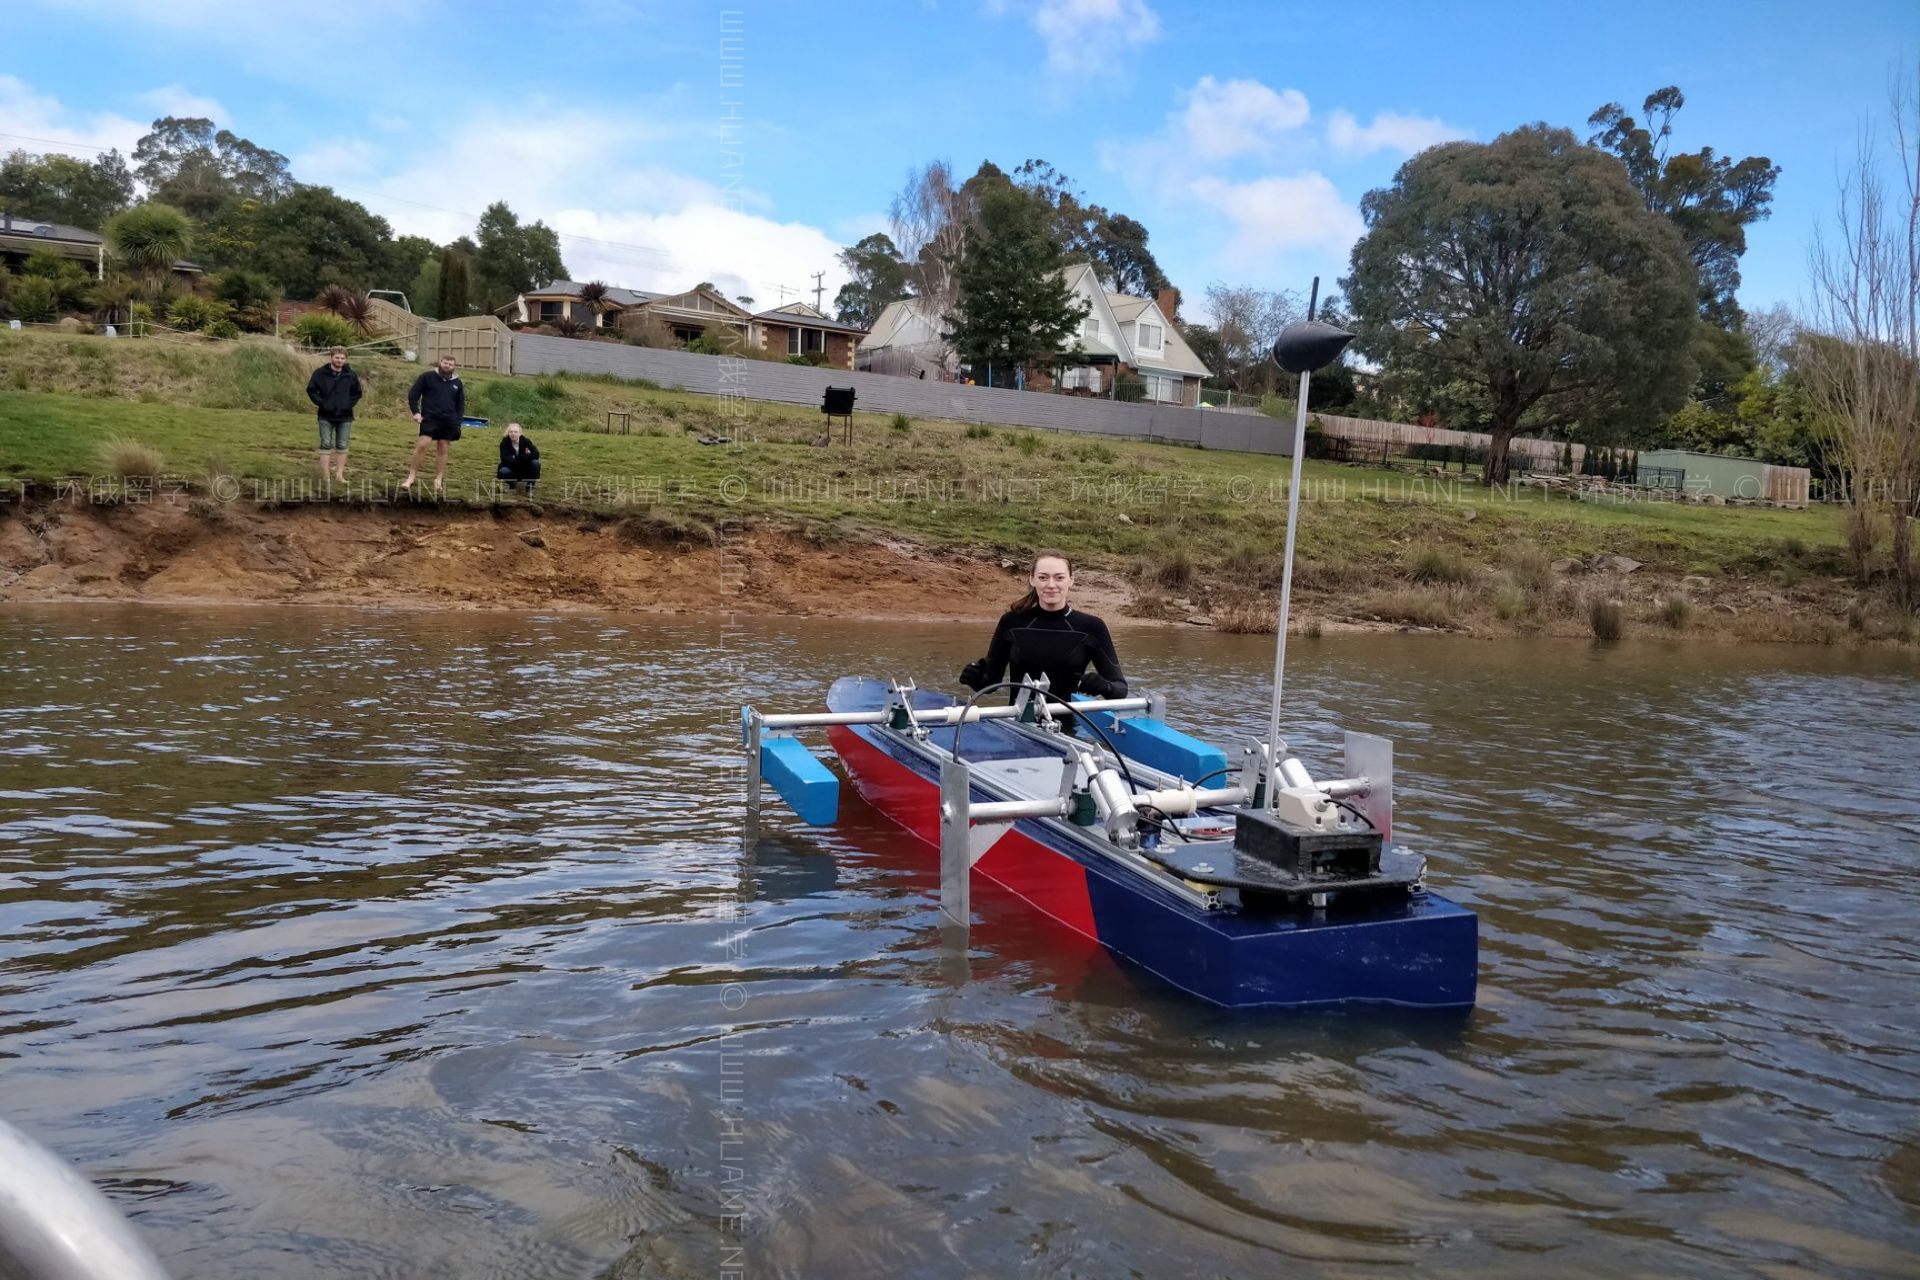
(1241, 134)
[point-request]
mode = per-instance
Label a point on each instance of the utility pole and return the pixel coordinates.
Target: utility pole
(818, 289)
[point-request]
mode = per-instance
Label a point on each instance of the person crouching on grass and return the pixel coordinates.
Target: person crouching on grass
(519, 459)
(334, 389)
(438, 402)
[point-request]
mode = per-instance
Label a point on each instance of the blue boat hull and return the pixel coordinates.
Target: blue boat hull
(1417, 949)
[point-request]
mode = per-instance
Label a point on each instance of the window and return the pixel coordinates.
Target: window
(1150, 336)
(1091, 329)
(793, 342)
(813, 340)
(550, 312)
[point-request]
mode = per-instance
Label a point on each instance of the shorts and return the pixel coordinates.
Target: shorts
(334, 433)
(440, 430)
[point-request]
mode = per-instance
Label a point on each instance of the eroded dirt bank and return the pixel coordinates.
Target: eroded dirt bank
(190, 551)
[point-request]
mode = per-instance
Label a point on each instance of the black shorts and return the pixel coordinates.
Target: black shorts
(440, 430)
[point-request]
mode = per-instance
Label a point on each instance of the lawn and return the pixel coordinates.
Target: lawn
(1174, 514)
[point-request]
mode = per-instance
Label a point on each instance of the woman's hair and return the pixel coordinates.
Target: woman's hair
(1031, 600)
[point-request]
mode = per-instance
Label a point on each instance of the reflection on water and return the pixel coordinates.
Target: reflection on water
(349, 944)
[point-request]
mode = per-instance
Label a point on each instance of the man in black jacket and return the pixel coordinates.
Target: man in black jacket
(438, 402)
(334, 389)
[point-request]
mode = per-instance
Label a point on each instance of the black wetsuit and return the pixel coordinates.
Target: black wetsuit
(1057, 644)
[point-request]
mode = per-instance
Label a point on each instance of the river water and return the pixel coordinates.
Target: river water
(351, 944)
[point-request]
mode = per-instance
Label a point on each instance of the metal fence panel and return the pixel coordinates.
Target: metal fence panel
(878, 393)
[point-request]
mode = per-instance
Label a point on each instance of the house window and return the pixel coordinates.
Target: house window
(1150, 336)
(793, 342)
(550, 312)
(1091, 329)
(813, 339)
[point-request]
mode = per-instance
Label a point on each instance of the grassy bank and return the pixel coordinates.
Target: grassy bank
(1194, 531)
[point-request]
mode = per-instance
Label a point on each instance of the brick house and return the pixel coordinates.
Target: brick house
(798, 329)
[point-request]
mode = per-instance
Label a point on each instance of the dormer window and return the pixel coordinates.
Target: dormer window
(1090, 329)
(1150, 336)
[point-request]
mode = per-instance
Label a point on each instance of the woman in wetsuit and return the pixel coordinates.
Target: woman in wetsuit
(1044, 635)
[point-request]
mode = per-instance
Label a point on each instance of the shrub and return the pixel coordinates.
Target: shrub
(1857, 615)
(979, 431)
(902, 423)
(321, 329)
(34, 298)
(1245, 616)
(1510, 600)
(1173, 571)
(1675, 610)
(245, 290)
(1436, 565)
(1410, 608)
(1027, 442)
(1531, 569)
(131, 460)
(223, 327)
(536, 403)
(192, 312)
(1608, 619)
(260, 376)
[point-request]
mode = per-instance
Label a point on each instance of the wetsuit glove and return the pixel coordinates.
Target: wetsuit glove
(974, 675)
(1096, 685)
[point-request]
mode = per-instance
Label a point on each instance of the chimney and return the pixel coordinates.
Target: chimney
(1169, 300)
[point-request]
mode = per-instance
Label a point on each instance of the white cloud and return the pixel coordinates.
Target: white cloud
(1085, 37)
(1389, 131)
(1227, 118)
(34, 122)
(621, 218)
(178, 100)
(1277, 214)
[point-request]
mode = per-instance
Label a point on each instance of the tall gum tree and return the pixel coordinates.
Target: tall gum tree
(1529, 269)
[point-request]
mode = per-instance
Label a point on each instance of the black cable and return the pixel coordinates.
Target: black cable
(1356, 813)
(1125, 772)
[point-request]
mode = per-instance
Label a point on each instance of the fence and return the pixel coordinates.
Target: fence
(1383, 440)
(878, 393)
(477, 342)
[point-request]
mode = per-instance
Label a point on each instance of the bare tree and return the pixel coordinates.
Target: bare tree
(1864, 356)
(1771, 333)
(929, 220)
(1248, 320)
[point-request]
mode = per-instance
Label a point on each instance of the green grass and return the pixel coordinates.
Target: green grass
(238, 409)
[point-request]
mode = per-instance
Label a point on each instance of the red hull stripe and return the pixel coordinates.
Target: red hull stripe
(1046, 878)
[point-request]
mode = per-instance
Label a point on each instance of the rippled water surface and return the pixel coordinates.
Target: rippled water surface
(381, 945)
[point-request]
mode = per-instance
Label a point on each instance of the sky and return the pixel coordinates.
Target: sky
(747, 142)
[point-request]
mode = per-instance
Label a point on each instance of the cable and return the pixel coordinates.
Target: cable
(1125, 772)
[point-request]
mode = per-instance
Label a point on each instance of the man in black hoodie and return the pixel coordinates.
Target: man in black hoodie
(334, 389)
(438, 402)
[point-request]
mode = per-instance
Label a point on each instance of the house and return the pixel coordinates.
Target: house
(798, 329)
(1125, 336)
(21, 238)
(697, 313)
(1120, 337)
(561, 300)
(906, 342)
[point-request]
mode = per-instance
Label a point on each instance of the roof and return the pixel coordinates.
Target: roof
(1174, 357)
(801, 315)
(15, 224)
(571, 289)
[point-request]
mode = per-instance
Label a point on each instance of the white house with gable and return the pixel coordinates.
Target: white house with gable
(1120, 337)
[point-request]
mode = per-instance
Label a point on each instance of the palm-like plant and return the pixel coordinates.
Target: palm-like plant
(150, 238)
(594, 294)
(568, 327)
(355, 308)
